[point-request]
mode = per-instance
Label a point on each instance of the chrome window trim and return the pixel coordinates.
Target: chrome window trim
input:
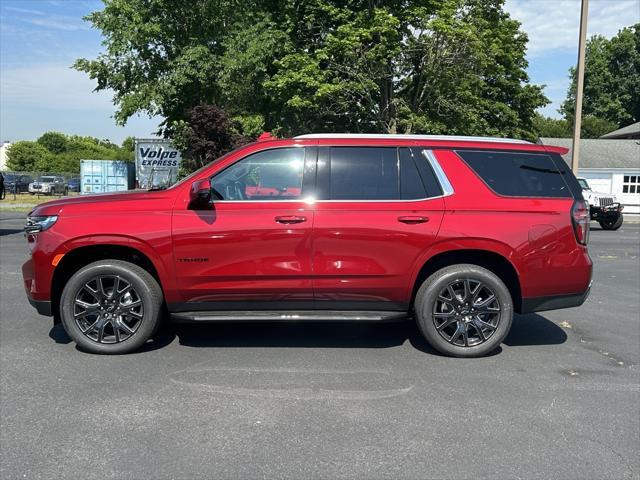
(441, 177)
(445, 184)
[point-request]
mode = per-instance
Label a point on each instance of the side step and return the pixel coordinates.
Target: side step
(289, 316)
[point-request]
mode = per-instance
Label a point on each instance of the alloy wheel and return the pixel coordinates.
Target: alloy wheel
(108, 309)
(466, 312)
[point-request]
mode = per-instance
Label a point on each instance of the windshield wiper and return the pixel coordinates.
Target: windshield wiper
(156, 188)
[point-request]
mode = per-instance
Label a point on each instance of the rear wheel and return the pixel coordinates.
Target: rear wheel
(613, 223)
(464, 310)
(111, 307)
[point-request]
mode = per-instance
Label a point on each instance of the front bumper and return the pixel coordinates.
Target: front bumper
(597, 212)
(43, 307)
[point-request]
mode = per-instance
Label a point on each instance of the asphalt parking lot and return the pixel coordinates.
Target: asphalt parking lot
(560, 399)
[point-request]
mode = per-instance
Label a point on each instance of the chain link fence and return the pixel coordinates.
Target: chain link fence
(17, 184)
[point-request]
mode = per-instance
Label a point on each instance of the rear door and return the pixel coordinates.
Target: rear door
(378, 208)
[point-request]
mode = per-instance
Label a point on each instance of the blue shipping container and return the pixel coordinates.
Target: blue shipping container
(98, 176)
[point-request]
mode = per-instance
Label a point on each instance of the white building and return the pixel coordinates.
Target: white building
(3, 155)
(609, 165)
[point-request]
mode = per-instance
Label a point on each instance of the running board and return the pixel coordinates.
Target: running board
(289, 316)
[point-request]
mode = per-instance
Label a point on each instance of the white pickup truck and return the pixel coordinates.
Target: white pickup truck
(604, 207)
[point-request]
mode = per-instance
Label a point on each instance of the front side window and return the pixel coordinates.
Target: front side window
(269, 175)
(517, 174)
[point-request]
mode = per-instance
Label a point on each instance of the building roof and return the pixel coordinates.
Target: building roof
(630, 131)
(599, 153)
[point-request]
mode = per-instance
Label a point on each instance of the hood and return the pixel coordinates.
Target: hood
(594, 197)
(98, 201)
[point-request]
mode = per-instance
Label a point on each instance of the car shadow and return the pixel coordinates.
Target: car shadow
(534, 329)
(527, 330)
(163, 337)
(10, 231)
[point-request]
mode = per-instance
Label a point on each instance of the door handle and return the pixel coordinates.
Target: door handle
(412, 220)
(289, 219)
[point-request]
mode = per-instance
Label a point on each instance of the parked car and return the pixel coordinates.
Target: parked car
(604, 208)
(16, 183)
(456, 232)
(49, 185)
(73, 184)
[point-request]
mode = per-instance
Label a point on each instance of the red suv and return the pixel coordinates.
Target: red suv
(457, 232)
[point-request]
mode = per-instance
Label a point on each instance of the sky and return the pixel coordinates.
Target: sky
(40, 39)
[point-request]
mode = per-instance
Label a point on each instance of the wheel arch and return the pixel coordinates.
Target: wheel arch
(489, 259)
(74, 259)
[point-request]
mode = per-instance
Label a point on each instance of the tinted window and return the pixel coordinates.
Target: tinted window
(518, 174)
(364, 173)
(411, 186)
(269, 175)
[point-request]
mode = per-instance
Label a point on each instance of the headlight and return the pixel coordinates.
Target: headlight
(37, 224)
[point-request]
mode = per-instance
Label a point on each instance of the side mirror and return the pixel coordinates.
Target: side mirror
(200, 195)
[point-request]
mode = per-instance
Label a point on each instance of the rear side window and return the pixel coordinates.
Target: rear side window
(364, 173)
(518, 174)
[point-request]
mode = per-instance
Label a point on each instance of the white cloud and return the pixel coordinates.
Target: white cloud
(554, 24)
(52, 86)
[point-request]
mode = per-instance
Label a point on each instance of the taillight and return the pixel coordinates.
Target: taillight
(580, 219)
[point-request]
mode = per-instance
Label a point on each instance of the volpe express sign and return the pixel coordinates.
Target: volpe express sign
(157, 163)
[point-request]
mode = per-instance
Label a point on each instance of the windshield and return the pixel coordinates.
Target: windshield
(583, 184)
(45, 179)
(9, 177)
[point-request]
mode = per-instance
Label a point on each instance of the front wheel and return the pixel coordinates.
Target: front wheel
(111, 307)
(612, 223)
(464, 310)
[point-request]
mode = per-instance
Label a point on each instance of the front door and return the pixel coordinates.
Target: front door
(378, 210)
(252, 249)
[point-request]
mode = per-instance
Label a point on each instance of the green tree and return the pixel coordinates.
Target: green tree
(552, 127)
(592, 127)
(24, 156)
(611, 79)
(421, 66)
(55, 142)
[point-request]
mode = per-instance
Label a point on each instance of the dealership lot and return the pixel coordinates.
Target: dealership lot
(560, 399)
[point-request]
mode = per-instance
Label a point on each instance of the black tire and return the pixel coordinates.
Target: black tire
(613, 223)
(482, 328)
(141, 288)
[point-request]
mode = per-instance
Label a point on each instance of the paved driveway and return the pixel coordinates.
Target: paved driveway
(561, 398)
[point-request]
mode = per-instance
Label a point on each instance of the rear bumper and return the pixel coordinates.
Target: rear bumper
(556, 302)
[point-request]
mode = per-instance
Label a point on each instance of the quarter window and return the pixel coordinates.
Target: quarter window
(631, 184)
(517, 174)
(269, 175)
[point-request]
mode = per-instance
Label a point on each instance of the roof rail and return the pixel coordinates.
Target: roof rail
(411, 137)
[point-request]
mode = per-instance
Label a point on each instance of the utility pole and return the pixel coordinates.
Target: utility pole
(577, 122)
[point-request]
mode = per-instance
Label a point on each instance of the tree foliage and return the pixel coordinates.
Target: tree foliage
(611, 79)
(592, 127)
(207, 134)
(56, 152)
(414, 66)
